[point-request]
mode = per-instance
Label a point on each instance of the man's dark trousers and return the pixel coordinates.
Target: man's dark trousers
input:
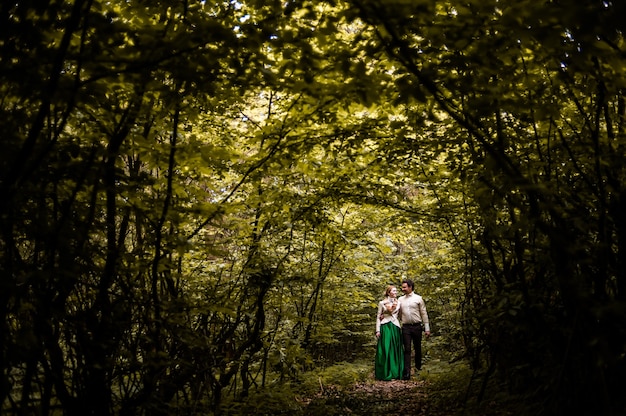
(412, 333)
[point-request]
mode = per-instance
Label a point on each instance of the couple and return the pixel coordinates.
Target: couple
(393, 352)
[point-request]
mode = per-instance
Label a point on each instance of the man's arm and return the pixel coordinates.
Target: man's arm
(424, 315)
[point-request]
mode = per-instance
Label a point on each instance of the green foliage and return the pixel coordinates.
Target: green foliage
(340, 375)
(293, 397)
(528, 118)
(205, 200)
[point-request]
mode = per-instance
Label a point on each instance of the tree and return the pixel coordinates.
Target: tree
(194, 192)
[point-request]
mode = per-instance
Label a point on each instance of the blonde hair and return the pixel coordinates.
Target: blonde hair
(389, 289)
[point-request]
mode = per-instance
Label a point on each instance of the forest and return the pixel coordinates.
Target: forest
(203, 202)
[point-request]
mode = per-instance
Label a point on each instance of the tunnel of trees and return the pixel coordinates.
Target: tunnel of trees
(202, 199)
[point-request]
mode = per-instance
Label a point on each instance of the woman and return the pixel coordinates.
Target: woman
(389, 361)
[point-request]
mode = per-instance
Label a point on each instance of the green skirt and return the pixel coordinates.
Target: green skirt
(389, 361)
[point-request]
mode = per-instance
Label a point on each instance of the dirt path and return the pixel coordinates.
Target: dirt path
(374, 398)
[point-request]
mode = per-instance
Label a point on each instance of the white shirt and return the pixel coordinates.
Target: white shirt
(412, 310)
(387, 316)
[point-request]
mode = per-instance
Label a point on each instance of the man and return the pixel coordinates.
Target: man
(414, 319)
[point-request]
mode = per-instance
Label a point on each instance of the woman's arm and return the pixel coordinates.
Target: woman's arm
(392, 307)
(378, 315)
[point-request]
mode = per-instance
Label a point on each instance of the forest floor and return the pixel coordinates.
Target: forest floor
(395, 397)
(444, 387)
(431, 393)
